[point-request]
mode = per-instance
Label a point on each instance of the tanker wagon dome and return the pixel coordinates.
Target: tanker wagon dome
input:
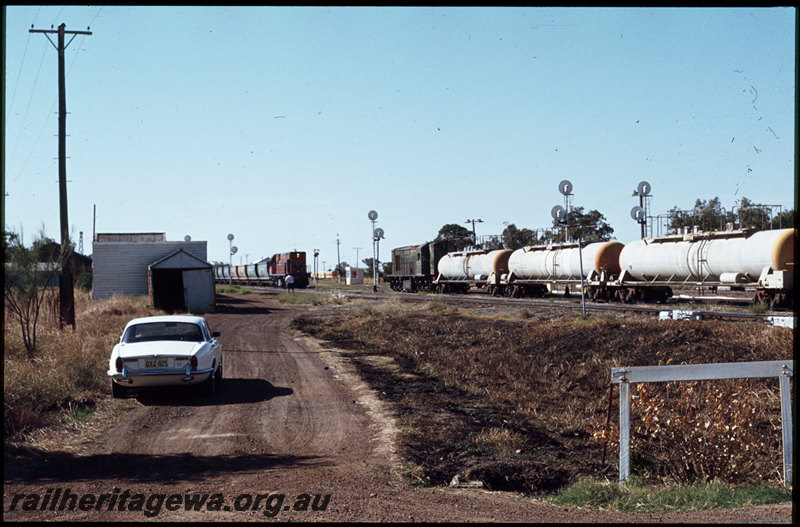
(783, 251)
(607, 258)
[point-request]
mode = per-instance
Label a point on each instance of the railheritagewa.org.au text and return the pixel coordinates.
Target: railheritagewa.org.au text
(153, 504)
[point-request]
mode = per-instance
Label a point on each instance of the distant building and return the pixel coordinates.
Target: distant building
(121, 265)
(355, 276)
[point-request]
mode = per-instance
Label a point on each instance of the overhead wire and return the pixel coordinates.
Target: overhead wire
(10, 105)
(33, 90)
(25, 119)
(30, 99)
(19, 73)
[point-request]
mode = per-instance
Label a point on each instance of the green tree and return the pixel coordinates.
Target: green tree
(514, 238)
(706, 216)
(456, 236)
(783, 220)
(492, 243)
(370, 263)
(341, 268)
(711, 216)
(753, 215)
(589, 226)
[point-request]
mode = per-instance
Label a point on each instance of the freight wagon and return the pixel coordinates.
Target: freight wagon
(758, 261)
(536, 270)
(269, 273)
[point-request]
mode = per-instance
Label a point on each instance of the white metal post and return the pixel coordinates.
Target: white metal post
(580, 261)
(786, 424)
(624, 430)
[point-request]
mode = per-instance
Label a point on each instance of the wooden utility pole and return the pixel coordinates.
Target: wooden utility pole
(474, 236)
(66, 295)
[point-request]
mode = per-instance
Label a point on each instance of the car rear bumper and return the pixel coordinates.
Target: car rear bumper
(134, 379)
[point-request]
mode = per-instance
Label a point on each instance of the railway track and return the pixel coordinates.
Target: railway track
(683, 307)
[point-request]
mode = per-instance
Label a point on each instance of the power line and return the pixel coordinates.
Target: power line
(27, 108)
(19, 74)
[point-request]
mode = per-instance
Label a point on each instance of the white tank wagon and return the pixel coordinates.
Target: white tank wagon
(535, 269)
(458, 271)
(762, 260)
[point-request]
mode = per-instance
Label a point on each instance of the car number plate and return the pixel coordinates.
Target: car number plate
(156, 363)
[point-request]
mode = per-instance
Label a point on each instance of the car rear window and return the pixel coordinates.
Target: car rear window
(163, 331)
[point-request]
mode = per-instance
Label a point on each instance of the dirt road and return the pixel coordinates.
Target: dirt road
(292, 435)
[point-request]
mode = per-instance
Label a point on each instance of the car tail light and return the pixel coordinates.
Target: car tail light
(118, 364)
(193, 362)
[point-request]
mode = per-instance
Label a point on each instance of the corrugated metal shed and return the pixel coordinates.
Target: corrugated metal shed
(120, 267)
(182, 282)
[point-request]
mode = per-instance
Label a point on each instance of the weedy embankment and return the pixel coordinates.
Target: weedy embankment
(523, 403)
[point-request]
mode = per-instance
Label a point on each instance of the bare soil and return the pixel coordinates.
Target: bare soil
(292, 418)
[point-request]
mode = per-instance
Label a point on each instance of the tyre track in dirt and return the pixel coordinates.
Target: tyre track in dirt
(291, 418)
(279, 412)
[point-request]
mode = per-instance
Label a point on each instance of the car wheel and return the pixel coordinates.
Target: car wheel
(209, 387)
(118, 391)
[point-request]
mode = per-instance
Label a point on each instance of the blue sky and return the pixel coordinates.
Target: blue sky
(286, 126)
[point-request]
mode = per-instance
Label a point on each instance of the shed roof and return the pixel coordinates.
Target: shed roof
(180, 259)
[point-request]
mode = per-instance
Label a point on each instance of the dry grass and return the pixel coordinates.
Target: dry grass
(499, 398)
(69, 367)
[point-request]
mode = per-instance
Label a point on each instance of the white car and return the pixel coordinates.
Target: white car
(166, 351)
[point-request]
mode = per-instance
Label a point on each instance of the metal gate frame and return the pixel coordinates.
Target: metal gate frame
(782, 369)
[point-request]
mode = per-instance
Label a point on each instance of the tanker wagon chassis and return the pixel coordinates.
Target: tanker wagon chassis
(514, 287)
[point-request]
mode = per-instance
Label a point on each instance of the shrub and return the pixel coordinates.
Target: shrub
(67, 365)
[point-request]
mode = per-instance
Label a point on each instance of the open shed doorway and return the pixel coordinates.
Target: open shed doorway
(167, 290)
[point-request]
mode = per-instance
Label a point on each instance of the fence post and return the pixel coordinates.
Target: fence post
(624, 429)
(786, 424)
